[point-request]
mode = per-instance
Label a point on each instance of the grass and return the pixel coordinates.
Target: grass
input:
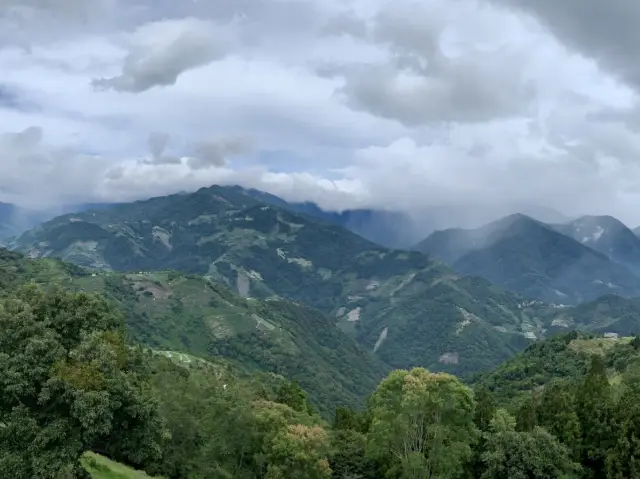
(102, 468)
(596, 346)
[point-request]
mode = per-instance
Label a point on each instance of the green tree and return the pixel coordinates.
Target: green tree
(422, 424)
(594, 408)
(485, 408)
(557, 414)
(623, 459)
(299, 452)
(291, 394)
(511, 454)
(348, 458)
(68, 383)
(527, 414)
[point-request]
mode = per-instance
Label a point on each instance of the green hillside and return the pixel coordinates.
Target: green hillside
(407, 308)
(173, 311)
(607, 314)
(76, 399)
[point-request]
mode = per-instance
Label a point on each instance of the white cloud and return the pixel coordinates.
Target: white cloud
(363, 103)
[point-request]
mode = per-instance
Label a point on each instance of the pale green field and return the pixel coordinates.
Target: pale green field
(102, 468)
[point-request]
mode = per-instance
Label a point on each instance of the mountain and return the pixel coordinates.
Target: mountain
(15, 220)
(533, 259)
(391, 229)
(394, 229)
(606, 314)
(187, 313)
(407, 308)
(608, 236)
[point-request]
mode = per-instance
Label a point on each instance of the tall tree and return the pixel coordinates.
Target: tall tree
(511, 454)
(557, 414)
(422, 424)
(594, 408)
(68, 383)
(623, 459)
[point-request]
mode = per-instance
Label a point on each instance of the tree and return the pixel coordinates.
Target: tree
(348, 458)
(68, 383)
(511, 454)
(291, 394)
(299, 452)
(485, 408)
(623, 459)
(557, 414)
(422, 424)
(594, 408)
(527, 414)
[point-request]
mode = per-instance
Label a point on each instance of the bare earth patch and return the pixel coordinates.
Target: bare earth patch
(449, 358)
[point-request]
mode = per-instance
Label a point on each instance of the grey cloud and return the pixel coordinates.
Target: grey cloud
(420, 84)
(23, 22)
(459, 92)
(158, 143)
(202, 154)
(603, 30)
(346, 23)
(215, 153)
(160, 52)
(271, 17)
(42, 172)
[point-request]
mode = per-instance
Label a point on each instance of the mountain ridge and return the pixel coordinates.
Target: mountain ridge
(533, 259)
(383, 298)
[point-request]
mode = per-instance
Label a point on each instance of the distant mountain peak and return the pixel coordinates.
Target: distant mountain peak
(543, 261)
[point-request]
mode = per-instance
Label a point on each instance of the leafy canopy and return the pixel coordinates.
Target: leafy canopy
(68, 383)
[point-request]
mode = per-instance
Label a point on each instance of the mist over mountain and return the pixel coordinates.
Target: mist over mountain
(15, 220)
(607, 235)
(403, 229)
(538, 260)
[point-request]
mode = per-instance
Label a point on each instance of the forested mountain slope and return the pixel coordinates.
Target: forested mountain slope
(174, 311)
(408, 308)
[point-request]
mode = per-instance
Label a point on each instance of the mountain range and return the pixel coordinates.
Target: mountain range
(403, 306)
(408, 308)
(570, 263)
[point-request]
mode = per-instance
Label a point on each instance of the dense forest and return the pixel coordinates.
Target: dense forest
(72, 382)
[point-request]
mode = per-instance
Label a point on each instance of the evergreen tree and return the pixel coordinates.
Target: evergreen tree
(594, 406)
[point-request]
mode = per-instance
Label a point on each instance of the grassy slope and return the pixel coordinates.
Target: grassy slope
(102, 468)
(449, 322)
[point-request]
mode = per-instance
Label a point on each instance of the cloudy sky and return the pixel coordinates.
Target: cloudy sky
(401, 104)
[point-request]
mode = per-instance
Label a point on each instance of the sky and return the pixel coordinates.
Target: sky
(349, 103)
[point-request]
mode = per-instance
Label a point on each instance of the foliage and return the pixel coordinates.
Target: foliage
(422, 424)
(510, 454)
(68, 383)
(179, 312)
